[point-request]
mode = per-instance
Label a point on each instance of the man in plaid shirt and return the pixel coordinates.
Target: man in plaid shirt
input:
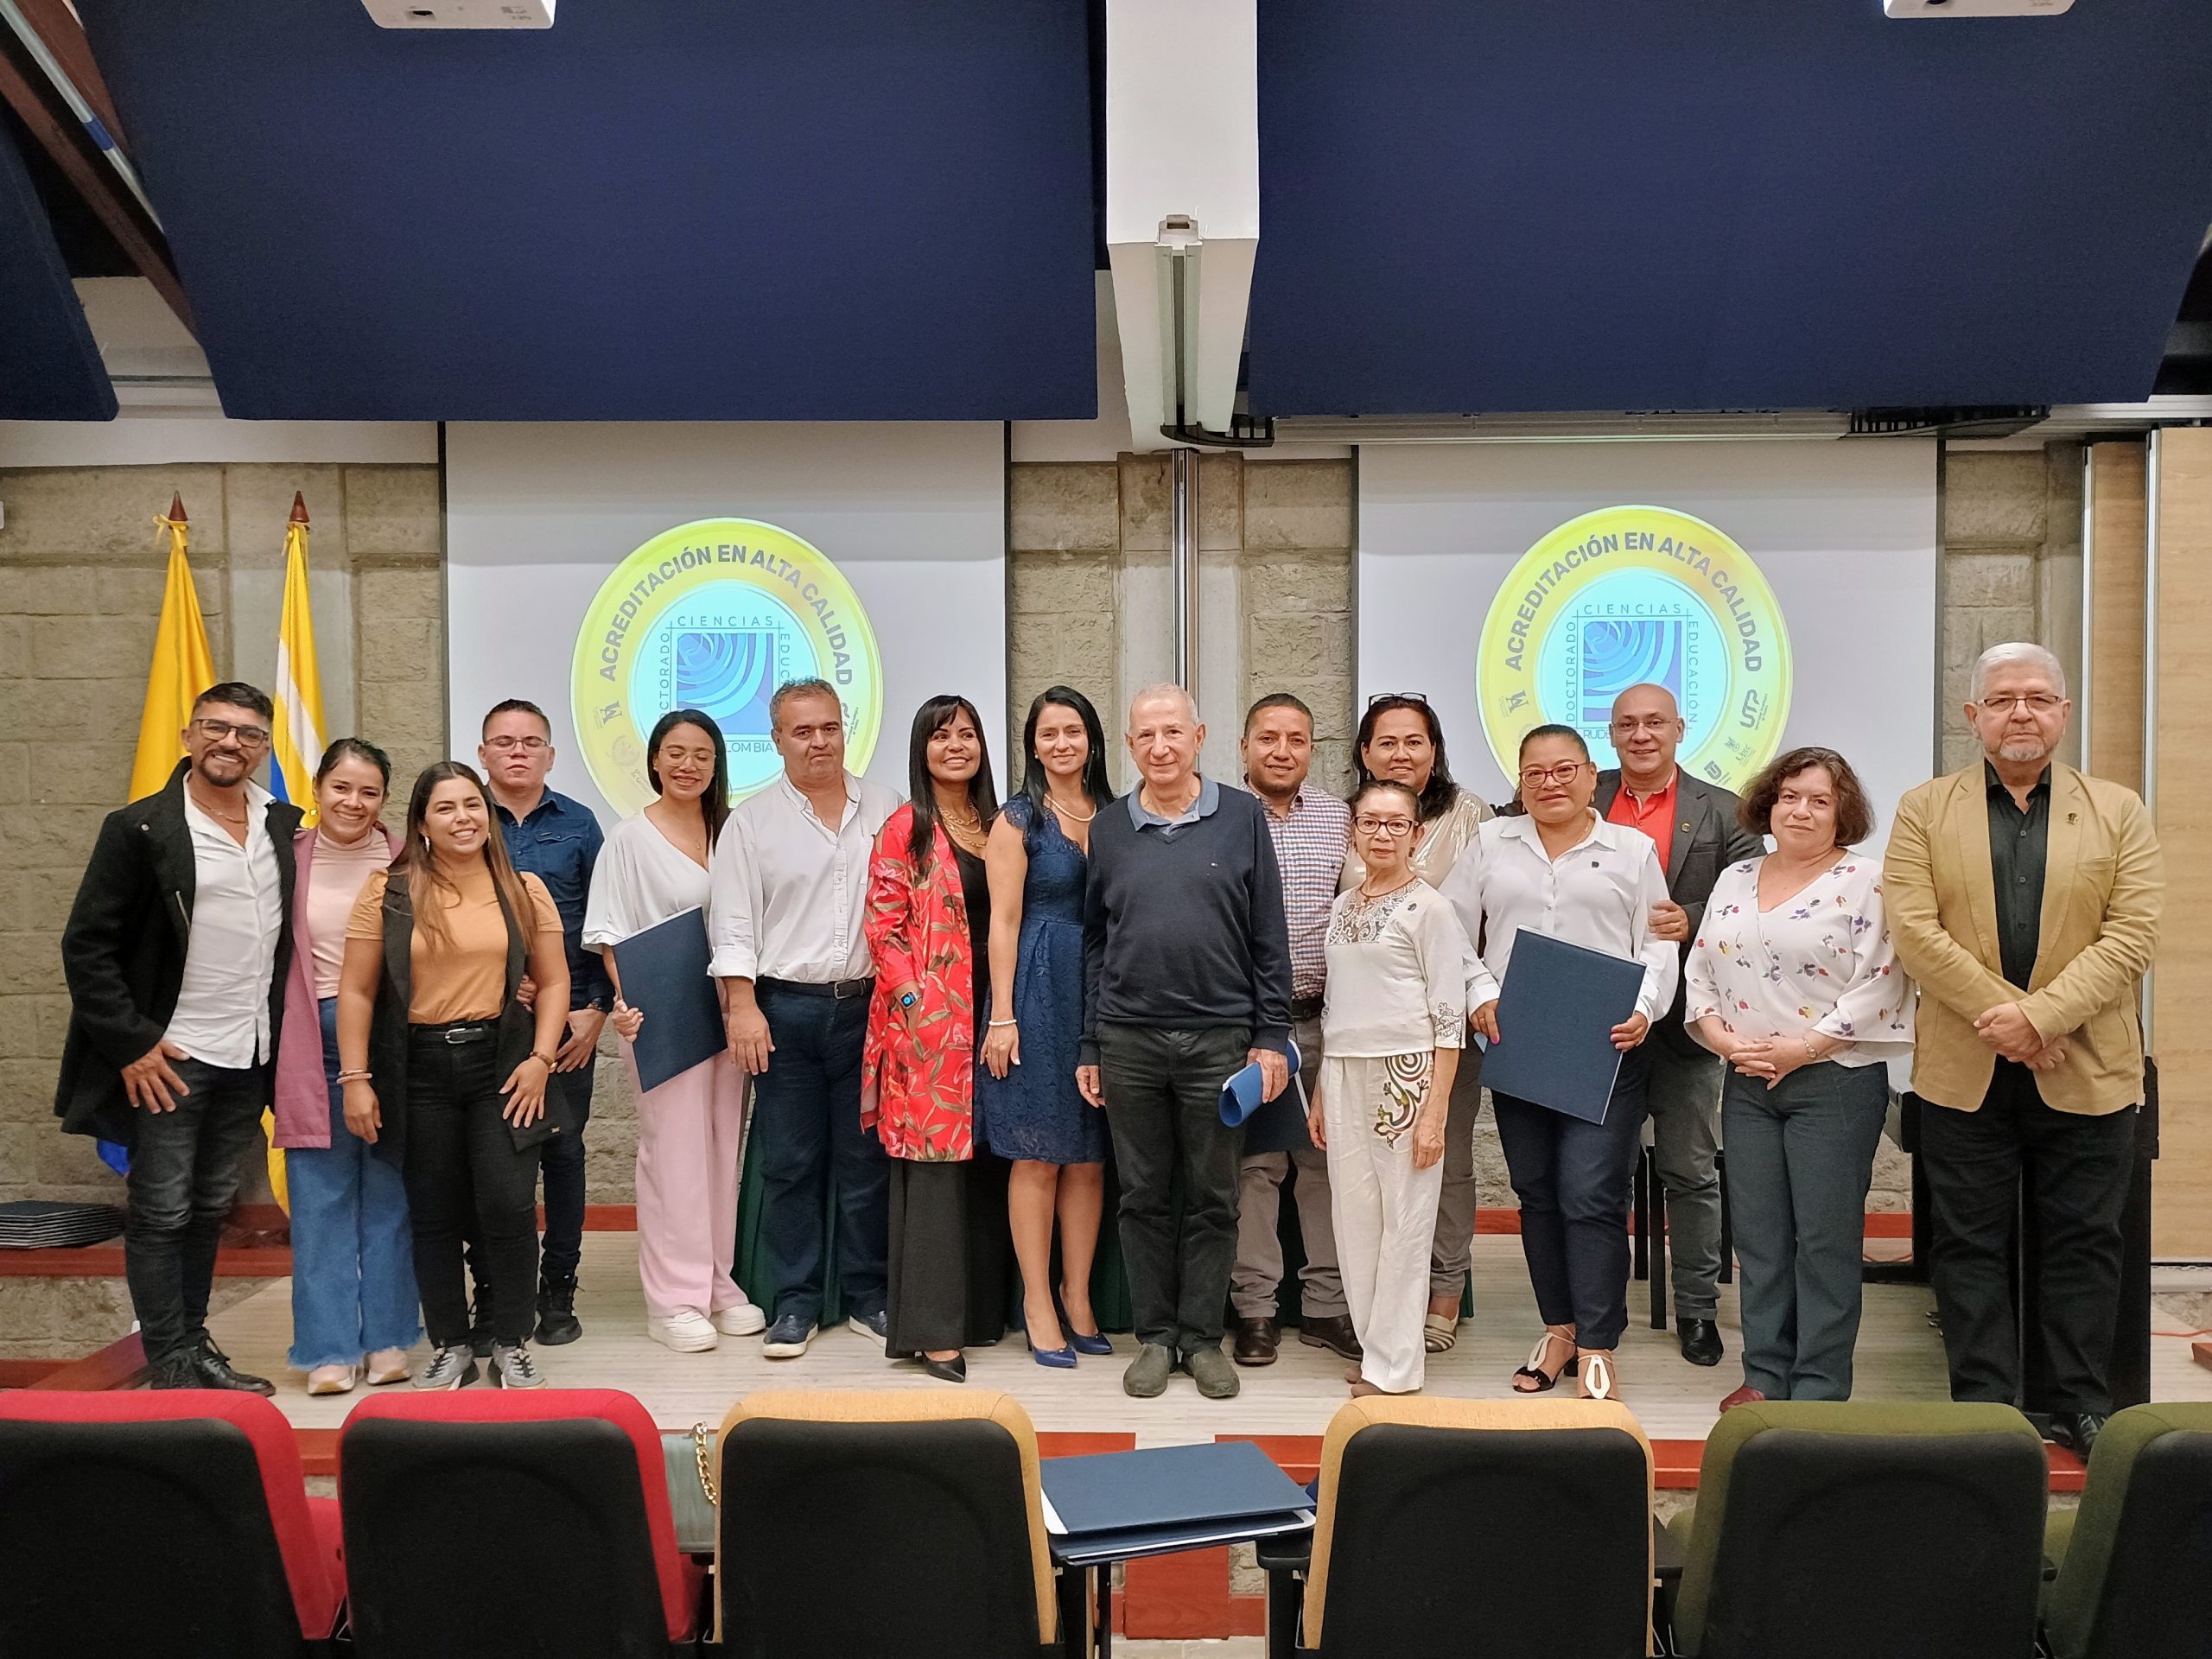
(1311, 830)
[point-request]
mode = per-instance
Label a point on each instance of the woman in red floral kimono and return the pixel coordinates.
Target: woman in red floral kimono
(928, 916)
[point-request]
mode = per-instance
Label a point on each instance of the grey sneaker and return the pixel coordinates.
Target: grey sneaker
(513, 1368)
(449, 1369)
(1211, 1369)
(1148, 1372)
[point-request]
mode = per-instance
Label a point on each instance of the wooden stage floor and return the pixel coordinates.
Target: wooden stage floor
(1900, 1357)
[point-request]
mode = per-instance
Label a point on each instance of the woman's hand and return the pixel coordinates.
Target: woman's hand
(1484, 1019)
(625, 1021)
(1317, 1130)
(1771, 1058)
(1428, 1135)
(1631, 1032)
(363, 1115)
(525, 1092)
(1001, 1049)
(527, 991)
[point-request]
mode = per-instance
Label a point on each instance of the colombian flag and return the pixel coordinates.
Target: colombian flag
(298, 737)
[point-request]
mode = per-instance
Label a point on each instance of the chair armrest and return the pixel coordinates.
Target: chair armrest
(1286, 1552)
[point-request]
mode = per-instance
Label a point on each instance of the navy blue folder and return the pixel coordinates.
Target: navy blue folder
(1555, 1016)
(664, 972)
(1167, 1486)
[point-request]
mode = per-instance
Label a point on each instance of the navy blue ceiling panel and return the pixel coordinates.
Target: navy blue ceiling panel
(1721, 203)
(50, 370)
(657, 209)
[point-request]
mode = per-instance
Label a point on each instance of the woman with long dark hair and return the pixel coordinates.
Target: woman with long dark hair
(654, 868)
(1027, 1097)
(1401, 741)
(354, 1311)
(444, 1067)
(928, 911)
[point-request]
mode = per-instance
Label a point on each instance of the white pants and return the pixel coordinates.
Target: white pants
(1385, 1215)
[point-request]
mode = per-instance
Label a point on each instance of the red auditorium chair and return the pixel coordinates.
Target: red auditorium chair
(473, 1519)
(170, 1522)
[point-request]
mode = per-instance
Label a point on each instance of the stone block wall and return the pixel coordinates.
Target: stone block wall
(81, 577)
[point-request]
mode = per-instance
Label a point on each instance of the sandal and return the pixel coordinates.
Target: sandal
(1542, 1381)
(1439, 1331)
(1597, 1379)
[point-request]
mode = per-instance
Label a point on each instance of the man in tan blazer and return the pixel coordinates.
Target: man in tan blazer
(2024, 898)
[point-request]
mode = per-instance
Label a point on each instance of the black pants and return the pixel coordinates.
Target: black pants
(807, 1130)
(949, 1254)
(1178, 1166)
(184, 1172)
(464, 1178)
(2078, 1169)
(563, 1168)
(1574, 1179)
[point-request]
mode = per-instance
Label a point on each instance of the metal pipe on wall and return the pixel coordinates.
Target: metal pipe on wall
(2150, 680)
(1183, 561)
(2084, 713)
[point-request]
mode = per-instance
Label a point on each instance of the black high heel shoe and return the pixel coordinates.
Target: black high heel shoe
(947, 1371)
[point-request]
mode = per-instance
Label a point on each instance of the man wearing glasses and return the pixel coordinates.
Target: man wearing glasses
(1694, 825)
(174, 955)
(556, 839)
(2024, 897)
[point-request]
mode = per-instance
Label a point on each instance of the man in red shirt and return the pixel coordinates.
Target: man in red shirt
(1693, 824)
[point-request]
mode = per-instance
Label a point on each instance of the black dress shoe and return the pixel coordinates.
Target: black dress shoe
(1700, 1341)
(2077, 1431)
(216, 1372)
(1335, 1334)
(947, 1371)
(1257, 1341)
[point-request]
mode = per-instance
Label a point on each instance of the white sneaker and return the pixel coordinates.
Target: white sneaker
(687, 1333)
(746, 1319)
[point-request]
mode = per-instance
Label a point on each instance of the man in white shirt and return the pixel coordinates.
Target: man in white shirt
(173, 953)
(787, 897)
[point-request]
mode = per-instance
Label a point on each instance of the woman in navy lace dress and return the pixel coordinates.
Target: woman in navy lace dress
(1027, 1106)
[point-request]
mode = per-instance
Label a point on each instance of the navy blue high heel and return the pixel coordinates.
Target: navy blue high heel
(1060, 1359)
(1095, 1343)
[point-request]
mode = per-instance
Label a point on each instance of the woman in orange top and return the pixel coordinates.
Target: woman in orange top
(444, 1066)
(928, 908)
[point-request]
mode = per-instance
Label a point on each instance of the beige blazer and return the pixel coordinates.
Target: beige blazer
(2104, 881)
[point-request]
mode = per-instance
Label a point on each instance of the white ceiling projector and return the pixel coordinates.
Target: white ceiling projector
(460, 13)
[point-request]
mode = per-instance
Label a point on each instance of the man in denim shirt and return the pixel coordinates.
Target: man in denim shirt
(557, 840)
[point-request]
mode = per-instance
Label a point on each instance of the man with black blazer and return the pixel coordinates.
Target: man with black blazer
(174, 955)
(1694, 825)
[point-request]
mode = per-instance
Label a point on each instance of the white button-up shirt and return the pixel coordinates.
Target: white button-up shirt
(787, 893)
(238, 912)
(1599, 893)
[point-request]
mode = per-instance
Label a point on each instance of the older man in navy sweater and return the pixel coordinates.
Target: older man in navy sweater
(1186, 979)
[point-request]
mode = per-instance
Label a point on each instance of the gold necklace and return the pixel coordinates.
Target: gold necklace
(1069, 812)
(225, 816)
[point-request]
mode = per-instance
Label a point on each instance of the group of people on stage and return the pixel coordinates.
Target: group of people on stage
(953, 1011)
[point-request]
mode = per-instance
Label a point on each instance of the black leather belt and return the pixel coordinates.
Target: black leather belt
(461, 1031)
(842, 989)
(1306, 1007)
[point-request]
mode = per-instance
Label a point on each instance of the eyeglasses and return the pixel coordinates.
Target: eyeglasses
(1396, 828)
(1398, 697)
(1628, 723)
(1563, 773)
(2039, 703)
(249, 737)
(527, 744)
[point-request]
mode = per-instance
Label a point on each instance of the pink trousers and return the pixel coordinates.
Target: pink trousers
(688, 1134)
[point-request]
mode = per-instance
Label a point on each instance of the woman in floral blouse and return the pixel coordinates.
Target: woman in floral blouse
(1392, 1028)
(1792, 980)
(929, 908)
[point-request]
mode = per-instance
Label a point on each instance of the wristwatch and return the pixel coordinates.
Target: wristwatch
(910, 999)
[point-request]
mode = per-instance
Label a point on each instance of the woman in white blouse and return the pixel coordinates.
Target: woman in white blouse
(653, 867)
(1792, 980)
(1563, 870)
(1392, 1027)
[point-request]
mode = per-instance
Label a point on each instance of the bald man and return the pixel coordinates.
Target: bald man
(1693, 822)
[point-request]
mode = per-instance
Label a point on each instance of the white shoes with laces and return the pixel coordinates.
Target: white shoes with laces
(687, 1333)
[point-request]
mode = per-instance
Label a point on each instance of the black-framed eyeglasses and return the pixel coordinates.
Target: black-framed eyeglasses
(249, 737)
(1398, 697)
(1565, 773)
(1396, 828)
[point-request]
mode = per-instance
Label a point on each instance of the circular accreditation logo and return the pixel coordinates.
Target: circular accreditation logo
(715, 615)
(1629, 595)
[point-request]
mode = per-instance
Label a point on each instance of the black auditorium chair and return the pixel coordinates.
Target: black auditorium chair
(483, 1522)
(2135, 1561)
(1470, 1528)
(156, 1523)
(862, 1522)
(1840, 1530)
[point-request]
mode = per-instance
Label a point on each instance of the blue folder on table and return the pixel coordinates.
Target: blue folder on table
(664, 972)
(1555, 1017)
(1118, 1504)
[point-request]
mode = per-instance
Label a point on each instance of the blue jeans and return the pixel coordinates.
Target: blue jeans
(806, 1125)
(185, 1166)
(353, 1262)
